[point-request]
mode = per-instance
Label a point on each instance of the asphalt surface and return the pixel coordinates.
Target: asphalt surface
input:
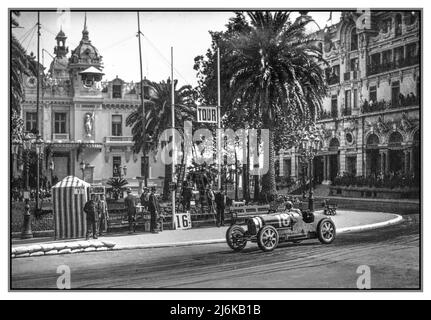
(391, 253)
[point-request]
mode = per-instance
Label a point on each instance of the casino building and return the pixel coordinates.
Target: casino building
(370, 122)
(82, 118)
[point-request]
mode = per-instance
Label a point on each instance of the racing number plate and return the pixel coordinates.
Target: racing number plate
(183, 220)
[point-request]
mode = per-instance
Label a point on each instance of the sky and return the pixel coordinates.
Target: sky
(114, 35)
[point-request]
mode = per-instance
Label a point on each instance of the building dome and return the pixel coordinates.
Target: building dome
(86, 53)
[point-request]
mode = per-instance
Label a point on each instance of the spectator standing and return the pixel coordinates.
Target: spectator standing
(153, 207)
(103, 214)
(130, 204)
(186, 196)
(210, 199)
(90, 208)
(220, 200)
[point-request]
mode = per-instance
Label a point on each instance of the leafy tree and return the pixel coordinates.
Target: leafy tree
(158, 118)
(274, 79)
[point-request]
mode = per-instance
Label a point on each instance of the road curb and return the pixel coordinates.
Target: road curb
(165, 245)
(371, 226)
(114, 247)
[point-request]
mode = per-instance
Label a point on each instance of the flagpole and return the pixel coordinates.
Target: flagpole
(144, 120)
(218, 119)
(37, 112)
(173, 136)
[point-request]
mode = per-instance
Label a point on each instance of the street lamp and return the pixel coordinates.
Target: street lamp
(26, 144)
(39, 144)
(82, 166)
(51, 169)
(310, 144)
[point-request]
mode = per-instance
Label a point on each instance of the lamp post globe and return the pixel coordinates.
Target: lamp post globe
(82, 166)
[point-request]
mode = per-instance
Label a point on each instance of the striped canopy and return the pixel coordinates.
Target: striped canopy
(69, 197)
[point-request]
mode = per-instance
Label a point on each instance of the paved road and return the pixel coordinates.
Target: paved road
(391, 253)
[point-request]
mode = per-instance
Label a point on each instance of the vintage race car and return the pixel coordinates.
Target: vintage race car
(270, 229)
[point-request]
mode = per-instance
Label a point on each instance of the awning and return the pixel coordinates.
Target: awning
(92, 70)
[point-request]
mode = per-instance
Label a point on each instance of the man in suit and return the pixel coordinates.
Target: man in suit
(91, 211)
(103, 214)
(220, 200)
(130, 204)
(153, 207)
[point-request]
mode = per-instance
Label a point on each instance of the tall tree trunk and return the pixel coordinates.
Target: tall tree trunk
(167, 180)
(268, 180)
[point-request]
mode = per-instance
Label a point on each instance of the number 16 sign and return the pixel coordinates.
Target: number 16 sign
(183, 220)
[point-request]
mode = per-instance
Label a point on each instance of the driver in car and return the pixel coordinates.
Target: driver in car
(293, 212)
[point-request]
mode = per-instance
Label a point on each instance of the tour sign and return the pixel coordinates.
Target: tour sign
(207, 114)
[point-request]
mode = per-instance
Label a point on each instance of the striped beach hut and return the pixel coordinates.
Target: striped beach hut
(69, 197)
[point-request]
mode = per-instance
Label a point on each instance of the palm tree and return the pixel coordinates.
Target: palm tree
(158, 118)
(277, 73)
(21, 64)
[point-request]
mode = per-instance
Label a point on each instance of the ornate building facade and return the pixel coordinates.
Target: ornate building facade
(82, 118)
(370, 123)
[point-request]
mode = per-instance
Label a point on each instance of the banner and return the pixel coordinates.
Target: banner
(207, 114)
(183, 221)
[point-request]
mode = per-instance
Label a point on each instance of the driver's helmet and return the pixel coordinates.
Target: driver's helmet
(289, 205)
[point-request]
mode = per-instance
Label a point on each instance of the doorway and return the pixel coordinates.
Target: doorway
(318, 169)
(333, 166)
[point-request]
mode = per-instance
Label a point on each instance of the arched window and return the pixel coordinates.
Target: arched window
(353, 40)
(398, 24)
(417, 138)
(334, 144)
(373, 140)
(395, 139)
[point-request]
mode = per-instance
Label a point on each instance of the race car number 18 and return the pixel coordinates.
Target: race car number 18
(183, 220)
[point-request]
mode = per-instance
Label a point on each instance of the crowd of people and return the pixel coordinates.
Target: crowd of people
(390, 180)
(401, 101)
(214, 201)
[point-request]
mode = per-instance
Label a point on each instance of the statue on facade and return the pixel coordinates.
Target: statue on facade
(88, 124)
(405, 123)
(381, 126)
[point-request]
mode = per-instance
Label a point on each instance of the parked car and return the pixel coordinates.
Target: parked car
(268, 230)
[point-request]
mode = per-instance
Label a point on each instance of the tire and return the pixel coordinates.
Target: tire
(235, 238)
(326, 231)
(267, 238)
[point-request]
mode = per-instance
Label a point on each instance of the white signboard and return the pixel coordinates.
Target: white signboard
(183, 220)
(207, 114)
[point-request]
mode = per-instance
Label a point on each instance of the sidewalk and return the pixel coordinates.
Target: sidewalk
(345, 221)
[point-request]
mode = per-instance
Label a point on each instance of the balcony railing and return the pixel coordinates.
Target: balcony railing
(328, 115)
(383, 105)
(351, 75)
(119, 140)
(392, 65)
(60, 137)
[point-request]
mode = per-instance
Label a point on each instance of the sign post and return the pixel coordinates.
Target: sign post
(207, 114)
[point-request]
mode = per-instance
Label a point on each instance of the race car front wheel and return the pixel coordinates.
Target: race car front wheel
(235, 238)
(326, 231)
(267, 238)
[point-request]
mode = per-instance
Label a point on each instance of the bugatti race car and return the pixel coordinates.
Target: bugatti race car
(290, 225)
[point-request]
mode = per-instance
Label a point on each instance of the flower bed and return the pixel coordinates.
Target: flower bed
(42, 223)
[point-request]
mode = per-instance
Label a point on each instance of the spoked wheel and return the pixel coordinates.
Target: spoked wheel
(235, 238)
(326, 231)
(267, 238)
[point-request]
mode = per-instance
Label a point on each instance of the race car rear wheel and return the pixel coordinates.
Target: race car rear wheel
(235, 238)
(267, 238)
(326, 231)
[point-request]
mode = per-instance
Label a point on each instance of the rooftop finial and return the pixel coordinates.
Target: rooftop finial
(85, 31)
